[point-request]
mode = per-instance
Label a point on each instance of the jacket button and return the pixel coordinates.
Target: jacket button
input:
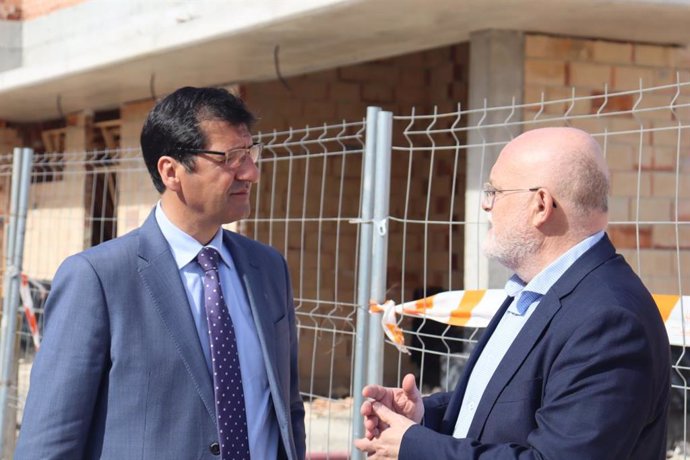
(214, 448)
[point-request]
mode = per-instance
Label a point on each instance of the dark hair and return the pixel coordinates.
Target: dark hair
(173, 125)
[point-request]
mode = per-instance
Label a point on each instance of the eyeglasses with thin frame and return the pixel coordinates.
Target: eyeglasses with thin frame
(489, 193)
(234, 158)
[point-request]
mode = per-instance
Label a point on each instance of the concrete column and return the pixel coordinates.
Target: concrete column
(10, 45)
(496, 76)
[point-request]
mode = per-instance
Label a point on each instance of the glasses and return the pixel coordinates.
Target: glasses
(489, 193)
(234, 158)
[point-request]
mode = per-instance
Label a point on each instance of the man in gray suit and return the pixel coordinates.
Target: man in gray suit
(136, 362)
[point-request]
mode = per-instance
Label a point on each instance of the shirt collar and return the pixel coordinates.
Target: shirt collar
(183, 246)
(546, 278)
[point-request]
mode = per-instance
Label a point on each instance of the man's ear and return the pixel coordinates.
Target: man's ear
(544, 207)
(169, 170)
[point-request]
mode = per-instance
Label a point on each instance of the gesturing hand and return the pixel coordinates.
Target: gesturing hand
(387, 444)
(405, 401)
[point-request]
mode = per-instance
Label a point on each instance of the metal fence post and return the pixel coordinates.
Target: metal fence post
(364, 274)
(21, 179)
(384, 134)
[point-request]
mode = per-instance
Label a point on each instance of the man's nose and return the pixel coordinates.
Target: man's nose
(249, 171)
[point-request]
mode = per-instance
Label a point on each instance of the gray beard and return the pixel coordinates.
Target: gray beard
(512, 249)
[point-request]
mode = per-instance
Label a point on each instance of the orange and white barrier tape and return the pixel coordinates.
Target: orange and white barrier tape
(476, 308)
(29, 312)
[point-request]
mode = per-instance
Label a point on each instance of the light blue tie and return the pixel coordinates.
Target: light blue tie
(526, 299)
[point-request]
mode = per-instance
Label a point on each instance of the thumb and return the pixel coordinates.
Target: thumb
(409, 386)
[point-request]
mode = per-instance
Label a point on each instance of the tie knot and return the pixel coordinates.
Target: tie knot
(526, 299)
(208, 259)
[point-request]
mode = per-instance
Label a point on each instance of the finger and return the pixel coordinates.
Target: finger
(373, 433)
(409, 386)
(374, 392)
(365, 409)
(365, 445)
(385, 415)
(370, 423)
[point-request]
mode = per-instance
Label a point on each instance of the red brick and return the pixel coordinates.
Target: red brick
(612, 52)
(370, 73)
(626, 236)
(589, 75)
(377, 92)
(631, 77)
(545, 72)
(654, 55)
(544, 46)
(342, 91)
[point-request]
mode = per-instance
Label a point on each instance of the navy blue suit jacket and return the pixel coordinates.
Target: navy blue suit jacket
(121, 373)
(586, 378)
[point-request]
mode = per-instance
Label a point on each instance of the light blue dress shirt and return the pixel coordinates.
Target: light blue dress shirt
(261, 421)
(510, 326)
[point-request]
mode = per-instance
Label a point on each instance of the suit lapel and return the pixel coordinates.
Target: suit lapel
(516, 354)
(534, 329)
(252, 280)
(159, 273)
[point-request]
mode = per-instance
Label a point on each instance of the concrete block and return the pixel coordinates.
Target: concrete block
(548, 72)
(585, 74)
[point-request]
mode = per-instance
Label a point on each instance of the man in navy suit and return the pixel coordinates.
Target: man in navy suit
(576, 363)
(127, 368)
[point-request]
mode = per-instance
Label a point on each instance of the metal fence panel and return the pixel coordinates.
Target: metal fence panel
(309, 206)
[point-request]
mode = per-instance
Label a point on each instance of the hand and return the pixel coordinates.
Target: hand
(405, 401)
(387, 445)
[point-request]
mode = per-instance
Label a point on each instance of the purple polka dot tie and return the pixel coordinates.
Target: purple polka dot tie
(227, 380)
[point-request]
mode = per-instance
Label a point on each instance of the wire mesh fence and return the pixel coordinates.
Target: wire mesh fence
(308, 205)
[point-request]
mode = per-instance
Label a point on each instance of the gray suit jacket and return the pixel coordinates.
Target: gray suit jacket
(121, 374)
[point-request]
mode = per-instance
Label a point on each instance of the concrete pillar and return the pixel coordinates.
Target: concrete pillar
(496, 77)
(10, 45)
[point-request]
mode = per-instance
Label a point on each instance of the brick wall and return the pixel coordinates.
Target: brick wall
(422, 80)
(9, 139)
(556, 65)
(29, 9)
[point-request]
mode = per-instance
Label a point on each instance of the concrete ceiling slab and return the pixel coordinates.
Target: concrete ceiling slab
(100, 64)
